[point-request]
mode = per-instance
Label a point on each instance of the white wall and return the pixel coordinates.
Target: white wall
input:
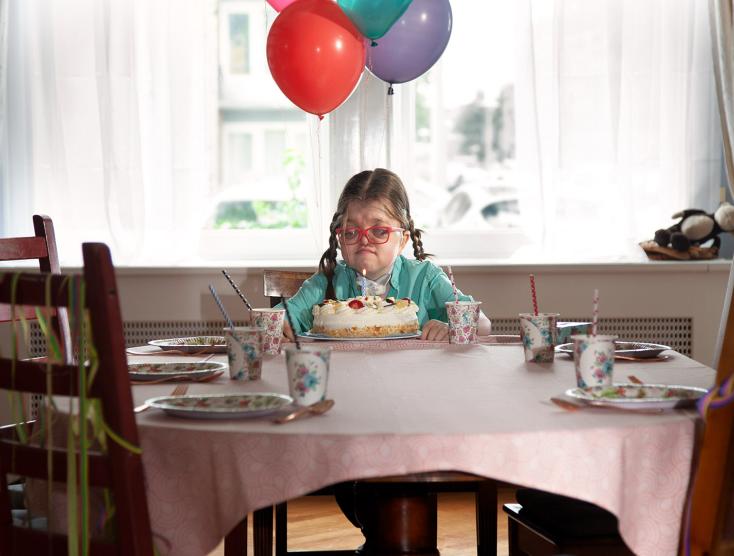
(657, 289)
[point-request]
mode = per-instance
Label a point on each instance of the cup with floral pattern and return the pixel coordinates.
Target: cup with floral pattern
(463, 321)
(271, 321)
(244, 352)
(593, 359)
(308, 372)
(538, 335)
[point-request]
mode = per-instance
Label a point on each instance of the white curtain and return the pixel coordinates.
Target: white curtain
(108, 121)
(369, 130)
(617, 121)
(722, 27)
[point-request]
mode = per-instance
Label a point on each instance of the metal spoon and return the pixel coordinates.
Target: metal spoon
(318, 408)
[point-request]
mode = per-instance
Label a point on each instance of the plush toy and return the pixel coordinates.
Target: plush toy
(697, 227)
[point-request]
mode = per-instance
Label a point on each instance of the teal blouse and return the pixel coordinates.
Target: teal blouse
(422, 281)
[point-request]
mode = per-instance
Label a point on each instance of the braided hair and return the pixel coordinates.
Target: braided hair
(371, 185)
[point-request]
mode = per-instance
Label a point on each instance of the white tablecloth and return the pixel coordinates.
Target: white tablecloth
(479, 409)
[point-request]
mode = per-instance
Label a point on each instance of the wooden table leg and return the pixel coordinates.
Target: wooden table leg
(235, 543)
(262, 532)
(399, 524)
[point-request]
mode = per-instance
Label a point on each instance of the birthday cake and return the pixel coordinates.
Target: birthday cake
(369, 316)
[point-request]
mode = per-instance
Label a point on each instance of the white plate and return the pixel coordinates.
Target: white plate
(157, 371)
(312, 336)
(222, 406)
(639, 396)
(639, 350)
(194, 344)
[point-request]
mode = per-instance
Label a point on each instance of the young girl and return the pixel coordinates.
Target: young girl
(371, 226)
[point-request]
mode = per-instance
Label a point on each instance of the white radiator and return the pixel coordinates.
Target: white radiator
(675, 332)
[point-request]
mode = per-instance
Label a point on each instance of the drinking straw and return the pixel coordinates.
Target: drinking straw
(242, 295)
(595, 316)
(453, 285)
(290, 323)
(221, 307)
(532, 291)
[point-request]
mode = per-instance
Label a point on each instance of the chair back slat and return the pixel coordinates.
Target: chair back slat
(31, 461)
(25, 312)
(119, 469)
(278, 284)
(30, 289)
(30, 376)
(23, 248)
(34, 541)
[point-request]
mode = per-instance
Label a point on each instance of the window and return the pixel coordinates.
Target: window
(263, 196)
(545, 124)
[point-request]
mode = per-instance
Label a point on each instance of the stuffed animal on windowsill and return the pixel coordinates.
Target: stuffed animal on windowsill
(686, 238)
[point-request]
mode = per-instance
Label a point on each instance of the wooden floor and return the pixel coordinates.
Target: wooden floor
(315, 522)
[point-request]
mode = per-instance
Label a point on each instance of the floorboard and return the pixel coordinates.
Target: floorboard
(315, 522)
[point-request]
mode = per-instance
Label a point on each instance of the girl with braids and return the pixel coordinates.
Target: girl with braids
(371, 226)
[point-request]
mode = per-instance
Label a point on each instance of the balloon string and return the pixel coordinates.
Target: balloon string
(318, 160)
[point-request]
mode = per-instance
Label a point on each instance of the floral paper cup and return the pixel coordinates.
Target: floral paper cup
(244, 352)
(271, 321)
(538, 335)
(308, 372)
(593, 359)
(463, 320)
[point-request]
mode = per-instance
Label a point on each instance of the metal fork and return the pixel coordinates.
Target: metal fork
(179, 390)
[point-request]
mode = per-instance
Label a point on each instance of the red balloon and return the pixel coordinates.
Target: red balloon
(315, 54)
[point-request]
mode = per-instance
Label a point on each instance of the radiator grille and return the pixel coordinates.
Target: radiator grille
(676, 332)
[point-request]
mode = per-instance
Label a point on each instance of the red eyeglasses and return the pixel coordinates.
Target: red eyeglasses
(374, 234)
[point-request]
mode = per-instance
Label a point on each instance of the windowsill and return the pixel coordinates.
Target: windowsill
(465, 265)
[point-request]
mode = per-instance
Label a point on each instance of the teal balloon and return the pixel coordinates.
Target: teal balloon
(374, 18)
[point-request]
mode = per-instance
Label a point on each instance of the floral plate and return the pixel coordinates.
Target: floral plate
(157, 371)
(638, 350)
(312, 336)
(195, 344)
(638, 396)
(221, 406)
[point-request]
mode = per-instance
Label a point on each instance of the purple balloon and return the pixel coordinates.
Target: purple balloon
(414, 43)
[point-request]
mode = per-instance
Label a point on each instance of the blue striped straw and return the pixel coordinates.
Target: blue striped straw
(221, 307)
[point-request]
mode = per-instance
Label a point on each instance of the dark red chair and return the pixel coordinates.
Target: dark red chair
(117, 469)
(40, 247)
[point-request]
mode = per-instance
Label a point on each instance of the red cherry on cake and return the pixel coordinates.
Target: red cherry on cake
(389, 301)
(405, 299)
(355, 304)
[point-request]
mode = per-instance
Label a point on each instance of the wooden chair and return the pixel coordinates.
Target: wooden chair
(534, 528)
(119, 470)
(712, 502)
(41, 247)
(279, 284)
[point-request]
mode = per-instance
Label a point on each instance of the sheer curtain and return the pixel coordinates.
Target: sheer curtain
(364, 135)
(109, 123)
(617, 122)
(722, 27)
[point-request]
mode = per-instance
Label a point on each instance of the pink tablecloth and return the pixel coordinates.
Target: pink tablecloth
(478, 409)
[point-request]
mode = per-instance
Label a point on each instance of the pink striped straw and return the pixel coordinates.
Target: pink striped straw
(595, 316)
(453, 285)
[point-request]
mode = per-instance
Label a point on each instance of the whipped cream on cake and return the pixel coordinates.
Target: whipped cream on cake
(369, 316)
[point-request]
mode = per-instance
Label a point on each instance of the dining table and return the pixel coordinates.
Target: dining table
(411, 406)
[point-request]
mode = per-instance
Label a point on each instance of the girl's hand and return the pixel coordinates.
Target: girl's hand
(288, 332)
(436, 331)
